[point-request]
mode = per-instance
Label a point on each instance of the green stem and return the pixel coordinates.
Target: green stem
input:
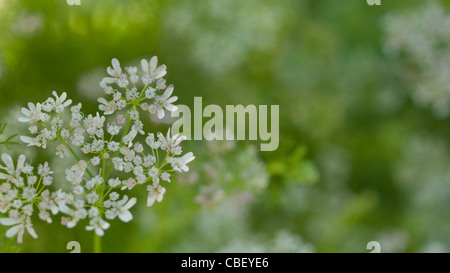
(97, 243)
(102, 189)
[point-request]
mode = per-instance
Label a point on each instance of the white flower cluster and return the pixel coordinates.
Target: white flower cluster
(152, 78)
(22, 191)
(122, 153)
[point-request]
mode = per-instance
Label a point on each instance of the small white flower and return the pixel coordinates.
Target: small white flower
(149, 161)
(150, 140)
(155, 194)
(179, 164)
(134, 78)
(30, 141)
(95, 161)
(116, 70)
(161, 84)
(169, 143)
(108, 108)
(118, 163)
(93, 212)
(113, 146)
(113, 129)
(114, 196)
(32, 114)
(12, 173)
(45, 216)
(124, 206)
(80, 166)
(128, 184)
(128, 139)
(92, 197)
(33, 129)
(128, 153)
(153, 172)
(164, 102)
(114, 182)
(165, 176)
(99, 225)
(47, 180)
(32, 179)
(59, 103)
(17, 204)
(131, 94)
(78, 190)
(150, 92)
(29, 193)
(138, 148)
(151, 71)
(62, 151)
(74, 177)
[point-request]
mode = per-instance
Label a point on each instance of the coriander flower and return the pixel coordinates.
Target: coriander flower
(12, 173)
(99, 225)
(108, 155)
(20, 192)
(58, 104)
(155, 194)
(32, 114)
(151, 71)
(171, 144)
(164, 102)
(180, 164)
(124, 206)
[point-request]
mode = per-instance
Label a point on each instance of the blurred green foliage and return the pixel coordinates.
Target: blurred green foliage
(347, 168)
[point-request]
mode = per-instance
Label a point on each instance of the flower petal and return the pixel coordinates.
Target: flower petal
(26, 112)
(116, 65)
(144, 64)
(20, 234)
(5, 176)
(8, 161)
(130, 204)
(27, 139)
(22, 119)
(161, 113)
(20, 163)
(125, 216)
(9, 221)
(153, 63)
(31, 231)
(150, 200)
(160, 72)
(12, 231)
(168, 92)
(99, 231)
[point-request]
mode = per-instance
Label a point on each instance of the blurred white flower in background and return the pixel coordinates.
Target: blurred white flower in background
(223, 229)
(87, 84)
(229, 173)
(422, 37)
(225, 31)
(27, 23)
(394, 240)
(423, 173)
(434, 247)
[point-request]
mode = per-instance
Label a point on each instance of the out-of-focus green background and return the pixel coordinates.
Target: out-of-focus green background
(364, 95)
